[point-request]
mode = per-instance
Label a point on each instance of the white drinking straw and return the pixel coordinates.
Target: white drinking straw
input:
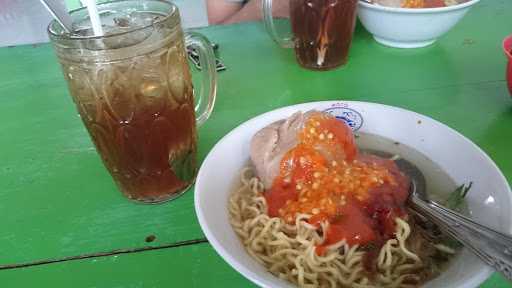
(95, 17)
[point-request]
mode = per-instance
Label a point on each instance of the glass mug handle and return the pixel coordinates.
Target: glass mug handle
(268, 21)
(204, 106)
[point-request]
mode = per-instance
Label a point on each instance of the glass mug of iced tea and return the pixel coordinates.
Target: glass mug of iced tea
(322, 31)
(132, 88)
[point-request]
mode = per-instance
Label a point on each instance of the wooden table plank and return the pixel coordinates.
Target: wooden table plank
(59, 198)
(189, 266)
(196, 266)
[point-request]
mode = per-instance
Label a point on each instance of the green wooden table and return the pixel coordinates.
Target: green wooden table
(64, 224)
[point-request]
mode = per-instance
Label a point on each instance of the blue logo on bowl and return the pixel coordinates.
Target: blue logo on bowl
(351, 117)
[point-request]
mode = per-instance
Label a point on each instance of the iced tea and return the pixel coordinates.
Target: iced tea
(134, 94)
(322, 31)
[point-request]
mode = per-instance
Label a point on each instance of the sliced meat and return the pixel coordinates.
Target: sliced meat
(270, 144)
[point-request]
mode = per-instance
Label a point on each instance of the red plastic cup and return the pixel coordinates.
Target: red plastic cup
(507, 47)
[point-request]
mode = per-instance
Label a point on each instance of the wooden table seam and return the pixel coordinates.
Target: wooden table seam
(103, 254)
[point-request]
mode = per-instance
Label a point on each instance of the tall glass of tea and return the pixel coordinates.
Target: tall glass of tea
(133, 91)
(322, 31)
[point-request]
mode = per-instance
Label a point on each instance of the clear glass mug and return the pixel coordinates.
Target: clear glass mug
(322, 31)
(133, 91)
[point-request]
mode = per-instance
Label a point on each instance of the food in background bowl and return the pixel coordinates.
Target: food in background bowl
(418, 3)
(410, 28)
(430, 3)
(323, 213)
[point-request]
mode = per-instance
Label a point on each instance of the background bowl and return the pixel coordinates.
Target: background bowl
(410, 28)
(490, 199)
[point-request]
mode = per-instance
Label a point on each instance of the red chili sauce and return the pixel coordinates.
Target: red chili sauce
(359, 195)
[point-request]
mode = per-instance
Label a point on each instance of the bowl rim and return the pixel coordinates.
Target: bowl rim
(417, 10)
(472, 281)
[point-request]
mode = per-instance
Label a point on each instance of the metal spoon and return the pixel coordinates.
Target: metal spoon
(493, 247)
(59, 14)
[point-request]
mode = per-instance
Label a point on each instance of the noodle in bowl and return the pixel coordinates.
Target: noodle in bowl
(292, 255)
(220, 175)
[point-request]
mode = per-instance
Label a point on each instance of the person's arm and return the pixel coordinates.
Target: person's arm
(220, 10)
(251, 11)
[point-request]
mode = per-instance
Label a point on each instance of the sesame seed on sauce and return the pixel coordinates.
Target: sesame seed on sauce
(322, 185)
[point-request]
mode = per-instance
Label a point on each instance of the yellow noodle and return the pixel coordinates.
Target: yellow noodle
(288, 251)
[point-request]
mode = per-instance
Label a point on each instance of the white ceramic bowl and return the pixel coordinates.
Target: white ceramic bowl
(410, 28)
(490, 199)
